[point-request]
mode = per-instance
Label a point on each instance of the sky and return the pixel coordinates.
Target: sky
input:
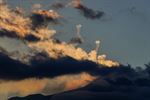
(49, 67)
(124, 30)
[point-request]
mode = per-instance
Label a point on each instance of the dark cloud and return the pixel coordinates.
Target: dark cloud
(33, 97)
(122, 83)
(31, 38)
(40, 21)
(42, 18)
(42, 66)
(90, 13)
(100, 89)
(76, 40)
(148, 68)
(11, 69)
(85, 11)
(7, 33)
(12, 34)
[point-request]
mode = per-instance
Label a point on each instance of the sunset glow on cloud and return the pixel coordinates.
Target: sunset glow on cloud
(35, 62)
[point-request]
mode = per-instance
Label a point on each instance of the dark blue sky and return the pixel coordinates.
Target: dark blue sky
(124, 29)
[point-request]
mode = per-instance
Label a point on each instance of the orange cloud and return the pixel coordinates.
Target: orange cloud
(46, 86)
(79, 82)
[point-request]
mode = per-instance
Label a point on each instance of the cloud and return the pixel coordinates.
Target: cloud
(20, 26)
(85, 11)
(122, 82)
(33, 31)
(42, 67)
(77, 4)
(52, 67)
(46, 86)
(58, 50)
(101, 89)
(42, 18)
(89, 13)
